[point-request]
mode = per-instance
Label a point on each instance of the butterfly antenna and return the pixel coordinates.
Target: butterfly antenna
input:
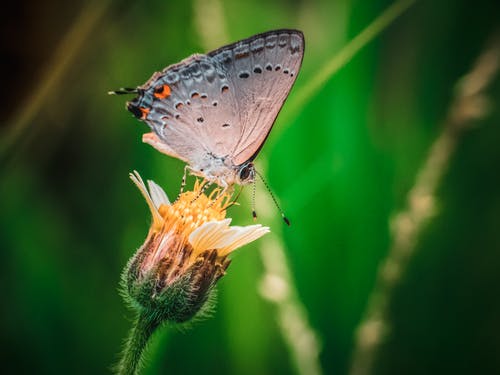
(254, 188)
(123, 91)
(285, 219)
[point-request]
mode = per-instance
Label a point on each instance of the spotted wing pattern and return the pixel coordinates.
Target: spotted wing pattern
(224, 103)
(262, 70)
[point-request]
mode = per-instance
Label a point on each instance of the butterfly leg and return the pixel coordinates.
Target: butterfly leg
(227, 191)
(204, 188)
(235, 200)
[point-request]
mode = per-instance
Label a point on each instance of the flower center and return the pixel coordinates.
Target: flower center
(194, 208)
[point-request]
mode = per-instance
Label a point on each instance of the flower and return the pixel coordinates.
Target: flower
(185, 252)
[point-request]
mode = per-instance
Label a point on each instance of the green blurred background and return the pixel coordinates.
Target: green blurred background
(341, 166)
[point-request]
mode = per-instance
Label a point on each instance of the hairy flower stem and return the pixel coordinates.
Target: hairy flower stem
(142, 329)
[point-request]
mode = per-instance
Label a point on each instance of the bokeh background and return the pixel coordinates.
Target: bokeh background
(342, 161)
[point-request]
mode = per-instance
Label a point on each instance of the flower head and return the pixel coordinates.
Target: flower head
(185, 252)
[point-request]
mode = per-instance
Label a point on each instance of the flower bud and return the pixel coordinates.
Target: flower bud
(185, 253)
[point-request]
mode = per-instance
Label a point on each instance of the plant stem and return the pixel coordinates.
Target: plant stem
(141, 331)
(470, 103)
(315, 83)
(278, 287)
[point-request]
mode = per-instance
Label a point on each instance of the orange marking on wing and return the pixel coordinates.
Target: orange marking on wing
(144, 111)
(162, 92)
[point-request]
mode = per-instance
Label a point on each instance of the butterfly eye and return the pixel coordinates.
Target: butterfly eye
(246, 171)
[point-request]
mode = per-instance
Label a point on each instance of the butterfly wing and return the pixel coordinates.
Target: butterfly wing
(262, 70)
(198, 102)
(222, 104)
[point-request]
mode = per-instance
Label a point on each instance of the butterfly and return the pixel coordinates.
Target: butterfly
(214, 111)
